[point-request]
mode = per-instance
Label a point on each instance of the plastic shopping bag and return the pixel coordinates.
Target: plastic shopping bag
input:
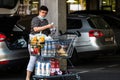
(36, 43)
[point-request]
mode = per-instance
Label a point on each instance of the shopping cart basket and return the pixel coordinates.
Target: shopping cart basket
(60, 46)
(57, 48)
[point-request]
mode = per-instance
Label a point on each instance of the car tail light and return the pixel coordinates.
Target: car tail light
(4, 62)
(95, 33)
(2, 37)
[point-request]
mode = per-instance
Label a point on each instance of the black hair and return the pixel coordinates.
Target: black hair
(43, 8)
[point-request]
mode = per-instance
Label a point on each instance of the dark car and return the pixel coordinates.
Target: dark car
(96, 12)
(115, 25)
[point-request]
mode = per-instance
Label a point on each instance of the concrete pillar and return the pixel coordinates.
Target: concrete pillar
(57, 14)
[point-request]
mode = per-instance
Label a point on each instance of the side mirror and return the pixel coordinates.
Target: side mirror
(78, 33)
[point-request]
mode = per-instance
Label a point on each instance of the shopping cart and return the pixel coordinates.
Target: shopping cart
(59, 47)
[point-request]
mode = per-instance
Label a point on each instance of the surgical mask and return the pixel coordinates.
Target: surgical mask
(41, 18)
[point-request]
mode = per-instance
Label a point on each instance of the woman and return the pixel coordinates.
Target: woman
(38, 24)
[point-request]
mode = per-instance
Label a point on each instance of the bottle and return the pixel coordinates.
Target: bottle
(49, 48)
(57, 67)
(52, 67)
(37, 68)
(53, 30)
(43, 69)
(44, 52)
(53, 51)
(48, 69)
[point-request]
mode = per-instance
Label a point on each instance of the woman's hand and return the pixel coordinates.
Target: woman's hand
(49, 26)
(38, 29)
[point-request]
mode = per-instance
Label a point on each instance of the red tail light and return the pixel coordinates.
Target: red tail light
(2, 37)
(4, 62)
(95, 33)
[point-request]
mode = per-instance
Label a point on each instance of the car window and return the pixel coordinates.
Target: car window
(115, 24)
(8, 3)
(98, 22)
(74, 23)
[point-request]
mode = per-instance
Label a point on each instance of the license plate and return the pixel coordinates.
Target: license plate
(108, 39)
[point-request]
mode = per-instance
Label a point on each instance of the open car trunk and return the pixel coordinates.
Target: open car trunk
(7, 22)
(16, 36)
(9, 6)
(16, 40)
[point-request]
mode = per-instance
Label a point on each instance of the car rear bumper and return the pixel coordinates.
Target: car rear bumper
(89, 48)
(13, 64)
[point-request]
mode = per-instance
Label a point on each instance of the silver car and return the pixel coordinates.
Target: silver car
(96, 35)
(13, 37)
(13, 46)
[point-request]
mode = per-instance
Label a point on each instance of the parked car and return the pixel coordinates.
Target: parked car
(96, 35)
(13, 37)
(114, 22)
(13, 44)
(110, 17)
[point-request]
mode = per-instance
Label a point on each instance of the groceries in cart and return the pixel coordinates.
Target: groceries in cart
(49, 67)
(62, 50)
(41, 45)
(36, 43)
(46, 46)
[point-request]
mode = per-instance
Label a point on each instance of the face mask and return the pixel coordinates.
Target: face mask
(41, 18)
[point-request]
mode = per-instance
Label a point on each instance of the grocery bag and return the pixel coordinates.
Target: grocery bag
(36, 43)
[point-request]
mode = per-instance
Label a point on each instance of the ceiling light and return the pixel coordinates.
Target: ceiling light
(104, 2)
(71, 1)
(35, 2)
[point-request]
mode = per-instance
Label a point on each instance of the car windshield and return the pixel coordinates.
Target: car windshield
(98, 22)
(9, 4)
(74, 23)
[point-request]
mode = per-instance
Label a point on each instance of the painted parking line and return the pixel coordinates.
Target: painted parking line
(115, 65)
(84, 71)
(96, 69)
